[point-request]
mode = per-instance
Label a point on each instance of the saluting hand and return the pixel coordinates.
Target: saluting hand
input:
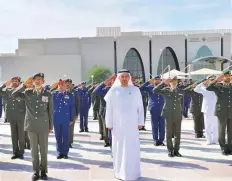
(8, 83)
(28, 82)
(50, 131)
(167, 81)
(220, 78)
(140, 126)
(54, 85)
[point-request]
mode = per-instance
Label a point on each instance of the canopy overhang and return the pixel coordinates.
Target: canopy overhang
(212, 59)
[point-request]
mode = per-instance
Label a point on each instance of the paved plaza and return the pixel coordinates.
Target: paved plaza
(89, 160)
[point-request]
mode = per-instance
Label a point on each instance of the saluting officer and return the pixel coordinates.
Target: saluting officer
(172, 112)
(85, 104)
(223, 110)
(156, 103)
(101, 90)
(38, 121)
(195, 109)
(15, 113)
(71, 90)
(64, 114)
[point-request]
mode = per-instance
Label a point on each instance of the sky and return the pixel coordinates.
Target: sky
(79, 18)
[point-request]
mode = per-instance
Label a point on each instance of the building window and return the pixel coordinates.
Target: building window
(134, 64)
(167, 57)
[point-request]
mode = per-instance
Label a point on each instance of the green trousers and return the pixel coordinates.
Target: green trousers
(173, 127)
(198, 119)
(222, 125)
(17, 136)
(39, 143)
(100, 122)
(71, 132)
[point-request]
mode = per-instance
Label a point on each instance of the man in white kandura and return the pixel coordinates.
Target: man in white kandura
(124, 117)
(208, 108)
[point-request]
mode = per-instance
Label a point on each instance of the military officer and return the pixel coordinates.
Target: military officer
(15, 113)
(195, 109)
(145, 104)
(187, 99)
(101, 90)
(85, 104)
(38, 121)
(172, 112)
(1, 105)
(71, 90)
(64, 114)
(223, 110)
(96, 108)
(156, 103)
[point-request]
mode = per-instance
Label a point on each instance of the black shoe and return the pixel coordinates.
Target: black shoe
(176, 153)
(44, 175)
(162, 144)
(225, 152)
(28, 147)
(229, 152)
(81, 131)
(21, 157)
(14, 157)
(144, 129)
(60, 156)
(86, 130)
(101, 138)
(94, 118)
(70, 145)
(157, 143)
(170, 154)
(35, 177)
(65, 156)
(107, 145)
(172, 136)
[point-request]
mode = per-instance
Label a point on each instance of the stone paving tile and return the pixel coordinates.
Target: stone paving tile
(89, 160)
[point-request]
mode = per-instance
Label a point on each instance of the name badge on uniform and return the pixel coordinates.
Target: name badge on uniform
(66, 97)
(44, 99)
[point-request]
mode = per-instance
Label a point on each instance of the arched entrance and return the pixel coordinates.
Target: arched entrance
(168, 57)
(133, 63)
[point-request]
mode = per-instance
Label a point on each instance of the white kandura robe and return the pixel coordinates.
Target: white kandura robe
(208, 108)
(124, 112)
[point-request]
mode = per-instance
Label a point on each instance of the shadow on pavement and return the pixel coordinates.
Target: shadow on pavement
(210, 160)
(149, 179)
(173, 164)
(201, 148)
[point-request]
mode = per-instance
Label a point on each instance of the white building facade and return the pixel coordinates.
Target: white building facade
(143, 53)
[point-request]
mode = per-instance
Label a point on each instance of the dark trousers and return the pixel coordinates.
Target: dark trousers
(198, 118)
(62, 138)
(222, 125)
(1, 110)
(186, 108)
(84, 113)
(158, 125)
(100, 122)
(17, 136)
(173, 128)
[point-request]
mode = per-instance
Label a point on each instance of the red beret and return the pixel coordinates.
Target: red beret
(61, 82)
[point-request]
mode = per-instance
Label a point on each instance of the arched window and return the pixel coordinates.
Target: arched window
(203, 51)
(167, 57)
(134, 64)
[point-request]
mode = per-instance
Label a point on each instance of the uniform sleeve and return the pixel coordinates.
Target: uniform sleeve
(200, 89)
(140, 109)
(109, 112)
(72, 108)
(19, 92)
(144, 87)
(2, 92)
(100, 90)
(90, 98)
(212, 87)
(159, 89)
(50, 112)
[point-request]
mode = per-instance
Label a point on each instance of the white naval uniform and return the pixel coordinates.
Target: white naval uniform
(208, 108)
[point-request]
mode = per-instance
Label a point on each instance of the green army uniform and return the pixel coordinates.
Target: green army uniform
(195, 109)
(71, 129)
(15, 113)
(172, 112)
(102, 118)
(223, 111)
(96, 108)
(38, 121)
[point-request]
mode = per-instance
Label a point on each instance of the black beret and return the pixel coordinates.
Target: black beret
(123, 71)
(17, 78)
(68, 80)
(39, 75)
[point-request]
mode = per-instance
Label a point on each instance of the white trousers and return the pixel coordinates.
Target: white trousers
(211, 128)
